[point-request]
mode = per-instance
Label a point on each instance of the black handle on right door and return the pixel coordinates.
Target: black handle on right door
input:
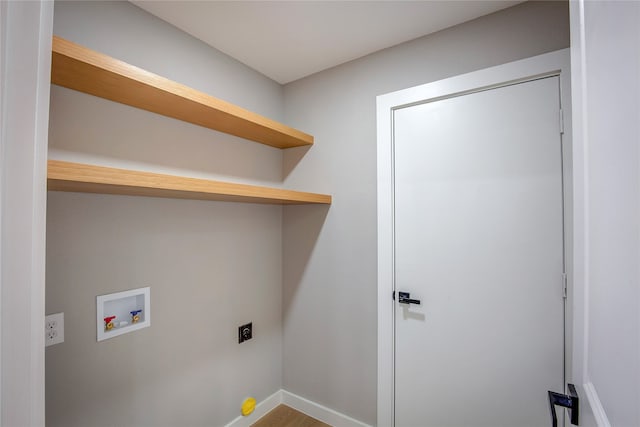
(569, 401)
(404, 298)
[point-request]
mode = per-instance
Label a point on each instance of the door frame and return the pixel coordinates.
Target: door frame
(549, 64)
(25, 79)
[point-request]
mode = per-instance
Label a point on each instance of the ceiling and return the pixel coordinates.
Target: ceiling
(288, 40)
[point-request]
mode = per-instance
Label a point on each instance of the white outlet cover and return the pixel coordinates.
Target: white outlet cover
(53, 329)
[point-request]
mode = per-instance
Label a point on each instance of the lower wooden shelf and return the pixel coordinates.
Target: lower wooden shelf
(78, 177)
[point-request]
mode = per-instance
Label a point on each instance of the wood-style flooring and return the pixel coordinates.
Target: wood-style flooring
(284, 416)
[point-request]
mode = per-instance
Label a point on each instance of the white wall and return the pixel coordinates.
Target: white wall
(25, 57)
(211, 266)
(606, 63)
(330, 302)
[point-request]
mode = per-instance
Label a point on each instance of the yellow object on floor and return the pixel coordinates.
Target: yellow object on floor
(248, 406)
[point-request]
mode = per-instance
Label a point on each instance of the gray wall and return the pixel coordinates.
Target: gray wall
(329, 305)
(211, 266)
(130, 34)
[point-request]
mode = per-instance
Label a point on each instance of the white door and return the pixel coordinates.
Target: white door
(479, 241)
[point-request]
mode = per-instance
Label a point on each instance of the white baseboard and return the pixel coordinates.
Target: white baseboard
(319, 412)
(261, 410)
(301, 404)
(596, 405)
(337, 419)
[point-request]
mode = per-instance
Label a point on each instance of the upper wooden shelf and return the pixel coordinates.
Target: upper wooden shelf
(77, 177)
(76, 67)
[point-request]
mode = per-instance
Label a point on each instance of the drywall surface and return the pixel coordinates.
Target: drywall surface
(611, 54)
(329, 295)
(211, 266)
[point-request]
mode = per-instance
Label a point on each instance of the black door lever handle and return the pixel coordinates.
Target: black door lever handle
(403, 298)
(569, 401)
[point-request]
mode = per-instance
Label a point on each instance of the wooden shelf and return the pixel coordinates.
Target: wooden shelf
(77, 177)
(76, 67)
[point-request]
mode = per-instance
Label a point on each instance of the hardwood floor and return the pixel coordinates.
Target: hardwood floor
(284, 416)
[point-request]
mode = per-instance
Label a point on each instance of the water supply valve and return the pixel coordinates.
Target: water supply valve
(108, 323)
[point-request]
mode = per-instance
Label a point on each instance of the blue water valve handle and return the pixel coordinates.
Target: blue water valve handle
(135, 316)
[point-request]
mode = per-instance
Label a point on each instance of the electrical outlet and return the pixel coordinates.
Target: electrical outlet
(54, 329)
(245, 332)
